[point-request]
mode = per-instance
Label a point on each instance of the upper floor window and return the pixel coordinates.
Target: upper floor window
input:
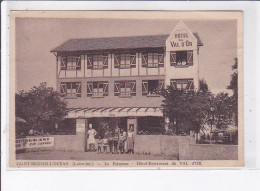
(97, 61)
(70, 63)
(125, 88)
(152, 87)
(153, 60)
(125, 61)
(182, 84)
(97, 89)
(70, 89)
(181, 58)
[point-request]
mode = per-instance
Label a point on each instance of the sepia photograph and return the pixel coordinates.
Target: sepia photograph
(109, 89)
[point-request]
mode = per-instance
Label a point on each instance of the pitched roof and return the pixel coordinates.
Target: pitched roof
(86, 44)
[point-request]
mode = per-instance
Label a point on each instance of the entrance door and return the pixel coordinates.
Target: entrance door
(132, 124)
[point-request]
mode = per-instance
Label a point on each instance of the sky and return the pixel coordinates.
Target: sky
(35, 37)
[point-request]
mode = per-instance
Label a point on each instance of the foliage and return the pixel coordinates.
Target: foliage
(193, 110)
(41, 107)
(203, 86)
(233, 85)
(223, 110)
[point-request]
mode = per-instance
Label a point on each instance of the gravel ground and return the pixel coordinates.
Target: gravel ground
(67, 155)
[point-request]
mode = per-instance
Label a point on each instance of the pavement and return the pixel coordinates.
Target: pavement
(69, 155)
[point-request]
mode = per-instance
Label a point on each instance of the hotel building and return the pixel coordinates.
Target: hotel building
(122, 77)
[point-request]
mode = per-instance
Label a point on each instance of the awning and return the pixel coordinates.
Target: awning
(114, 112)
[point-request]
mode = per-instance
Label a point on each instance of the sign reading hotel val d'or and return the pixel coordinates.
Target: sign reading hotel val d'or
(181, 39)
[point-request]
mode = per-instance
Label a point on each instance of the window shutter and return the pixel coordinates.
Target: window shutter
(133, 60)
(105, 88)
(173, 58)
(117, 59)
(105, 61)
(78, 89)
(117, 88)
(63, 63)
(144, 87)
(190, 57)
(161, 60)
(144, 60)
(78, 62)
(174, 84)
(161, 86)
(133, 88)
(89, 89)
(190, 85)
(63, 89)
(89, 61)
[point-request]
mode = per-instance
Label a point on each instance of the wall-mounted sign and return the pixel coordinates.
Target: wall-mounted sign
(80, 127)
(34, 142)
(181, 39)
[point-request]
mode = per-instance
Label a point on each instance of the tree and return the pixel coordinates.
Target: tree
(203, 86)
(233, 85)
(193, 110)
(223, 110)
(41, 107)
(187, 110)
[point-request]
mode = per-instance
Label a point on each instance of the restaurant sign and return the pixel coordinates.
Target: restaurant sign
(34, 142)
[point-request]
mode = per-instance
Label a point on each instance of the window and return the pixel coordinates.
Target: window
(152, 87)
(97, 61)
(70, 63)
(153, 60)
(70, 89)
(125, 61)
(182, 84)
(97, 89)
(181, 58)
(125, 88)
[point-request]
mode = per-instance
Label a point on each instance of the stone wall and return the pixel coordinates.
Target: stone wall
(213, 152)
(183, 147)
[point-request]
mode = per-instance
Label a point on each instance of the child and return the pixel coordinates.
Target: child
(121, 143)
(115, 143)
(100, 141)
(110, 142)
(104, 142)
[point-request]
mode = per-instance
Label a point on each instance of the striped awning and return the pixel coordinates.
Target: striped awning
(114, 112)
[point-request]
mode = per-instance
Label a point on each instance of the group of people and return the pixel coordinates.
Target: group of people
(117, 142)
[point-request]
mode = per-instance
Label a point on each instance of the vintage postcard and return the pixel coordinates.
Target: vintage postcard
(110, 89)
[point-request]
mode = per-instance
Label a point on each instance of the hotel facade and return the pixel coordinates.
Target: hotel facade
(122, 77)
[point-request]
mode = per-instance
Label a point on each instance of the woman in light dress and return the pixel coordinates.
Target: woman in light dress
(91, 138)
(130, 141)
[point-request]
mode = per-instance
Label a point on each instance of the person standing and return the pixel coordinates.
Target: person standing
(100, 142)
(115, 142)
(104, 142)
(91, 138)
(124, 141)
(130, 141)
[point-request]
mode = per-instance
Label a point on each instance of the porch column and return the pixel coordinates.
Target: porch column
(81, 130)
